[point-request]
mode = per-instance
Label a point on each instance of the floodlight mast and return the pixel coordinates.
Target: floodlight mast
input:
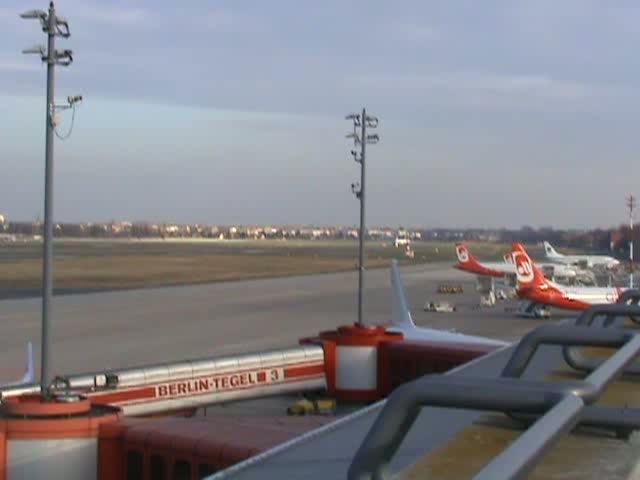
(53, 26)
(362, 121)
(631, 203)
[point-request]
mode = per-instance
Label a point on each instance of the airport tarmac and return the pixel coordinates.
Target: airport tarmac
(127, 328)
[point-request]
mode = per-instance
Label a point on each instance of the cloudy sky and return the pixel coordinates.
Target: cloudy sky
(493, 113)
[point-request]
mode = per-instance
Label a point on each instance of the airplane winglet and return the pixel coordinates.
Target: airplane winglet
(400, 314)
(29, 376)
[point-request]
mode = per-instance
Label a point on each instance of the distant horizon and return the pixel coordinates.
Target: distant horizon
(319, 225)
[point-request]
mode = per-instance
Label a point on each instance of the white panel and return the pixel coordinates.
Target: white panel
(356, 368)
(312, 384)
(68, 458)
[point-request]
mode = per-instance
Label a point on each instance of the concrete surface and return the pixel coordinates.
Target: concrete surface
(119, 329)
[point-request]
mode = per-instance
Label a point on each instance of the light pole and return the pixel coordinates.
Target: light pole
(363, 122)
(54, 26)
(631, 203)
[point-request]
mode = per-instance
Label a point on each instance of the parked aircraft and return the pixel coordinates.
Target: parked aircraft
(468, 263)
(589, 260)
(533, 286)
(403, 323)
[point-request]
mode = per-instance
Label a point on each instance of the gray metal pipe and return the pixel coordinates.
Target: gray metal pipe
(47, 249)
(363, 228)
(521, 456)
(630, 297)
(614, 365)
(575, 358)
(611, 311)
(404, 404)
(560, 335)
(564, 403)
(620, 419)
(632, 294)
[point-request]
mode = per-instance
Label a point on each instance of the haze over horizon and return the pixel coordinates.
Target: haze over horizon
(492, 115)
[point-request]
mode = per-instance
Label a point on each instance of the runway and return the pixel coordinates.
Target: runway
(127, 328)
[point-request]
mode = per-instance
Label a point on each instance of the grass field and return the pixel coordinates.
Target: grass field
(95, 265)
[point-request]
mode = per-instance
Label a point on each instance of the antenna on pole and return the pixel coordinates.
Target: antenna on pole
(631, 203)
(361, 121)
(53, 26)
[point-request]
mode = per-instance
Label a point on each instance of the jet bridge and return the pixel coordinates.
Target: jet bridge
(386, 438)
(189, 384)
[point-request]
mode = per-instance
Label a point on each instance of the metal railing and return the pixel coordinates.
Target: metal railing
(627, 305)
(551, 407)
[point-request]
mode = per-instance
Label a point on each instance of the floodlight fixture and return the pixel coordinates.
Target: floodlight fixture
(356, 138)
(62, 28)
(372, 122)
(37, 49)
(355, 117)
(34, 14)
(64, 57)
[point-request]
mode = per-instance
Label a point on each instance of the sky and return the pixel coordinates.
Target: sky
(492, 114)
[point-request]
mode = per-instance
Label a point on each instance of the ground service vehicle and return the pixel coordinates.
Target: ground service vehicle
(444, 288)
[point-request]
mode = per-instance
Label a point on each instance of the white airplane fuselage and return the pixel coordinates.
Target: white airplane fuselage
(589, 260)
(559, 270)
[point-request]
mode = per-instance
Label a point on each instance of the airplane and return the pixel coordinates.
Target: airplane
(403, 323)
(589, 260)
(533, 286)
(468, 263)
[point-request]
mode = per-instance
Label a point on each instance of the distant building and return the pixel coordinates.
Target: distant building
(3, 219)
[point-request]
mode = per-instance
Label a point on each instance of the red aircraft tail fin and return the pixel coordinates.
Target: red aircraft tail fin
(465, 259)
(527, 272)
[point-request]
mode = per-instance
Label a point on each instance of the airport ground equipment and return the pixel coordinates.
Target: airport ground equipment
(488, 300)
(189, 384)
(528, 309)
(439, 307)
(450, 288)
(320, 406)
